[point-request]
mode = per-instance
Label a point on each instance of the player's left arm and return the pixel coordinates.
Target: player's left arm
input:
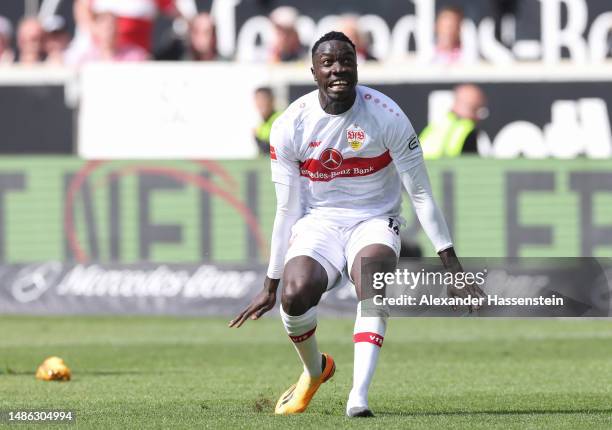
(407, 156)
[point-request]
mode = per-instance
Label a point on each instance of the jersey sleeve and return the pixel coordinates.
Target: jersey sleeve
(403, 143)
(416, 182)
(284, 162)
(288, 212)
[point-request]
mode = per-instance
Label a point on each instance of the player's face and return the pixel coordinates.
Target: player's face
(334, 67)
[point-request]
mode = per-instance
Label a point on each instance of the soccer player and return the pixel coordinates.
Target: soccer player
(339, 155)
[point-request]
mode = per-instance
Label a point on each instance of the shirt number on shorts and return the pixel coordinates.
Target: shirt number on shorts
(394, 226)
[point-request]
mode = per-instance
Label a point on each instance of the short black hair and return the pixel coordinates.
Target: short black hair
(332, 35)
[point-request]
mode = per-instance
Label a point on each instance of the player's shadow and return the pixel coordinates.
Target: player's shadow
(494, 412)
(12, 372)
(85, 372)
(126, 372)
(96, 372)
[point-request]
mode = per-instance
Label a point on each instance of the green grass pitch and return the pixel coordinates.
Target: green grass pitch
(195, 373)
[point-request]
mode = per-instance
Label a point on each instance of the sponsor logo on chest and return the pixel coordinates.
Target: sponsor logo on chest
(331, 159)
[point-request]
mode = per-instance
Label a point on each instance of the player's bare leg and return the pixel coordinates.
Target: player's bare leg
(304, 282)
(369, 332)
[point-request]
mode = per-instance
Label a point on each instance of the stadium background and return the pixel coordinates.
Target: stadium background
(538, 187)
(115, 174)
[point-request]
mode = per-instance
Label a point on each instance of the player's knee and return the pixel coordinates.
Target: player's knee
(296, 296)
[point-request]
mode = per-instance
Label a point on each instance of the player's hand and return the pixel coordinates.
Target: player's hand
(472, 290)
(452, 264)
(261, 303)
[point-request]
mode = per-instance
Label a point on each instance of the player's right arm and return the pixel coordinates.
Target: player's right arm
(285, 175)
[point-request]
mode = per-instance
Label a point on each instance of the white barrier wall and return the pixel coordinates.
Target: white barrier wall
(167, 111)
(207, 111)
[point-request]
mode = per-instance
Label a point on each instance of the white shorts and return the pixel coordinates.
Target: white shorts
(335, 246)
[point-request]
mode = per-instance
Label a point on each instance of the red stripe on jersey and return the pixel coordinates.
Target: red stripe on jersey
(368, 336)
(302, 337)
(272, 153)
(349, 167)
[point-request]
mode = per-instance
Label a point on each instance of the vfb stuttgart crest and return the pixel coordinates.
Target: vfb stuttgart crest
(355, 137)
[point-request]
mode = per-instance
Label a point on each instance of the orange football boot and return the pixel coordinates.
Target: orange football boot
(296, 399)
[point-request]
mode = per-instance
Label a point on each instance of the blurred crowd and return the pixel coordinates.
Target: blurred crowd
(119, 31)
(109, 30)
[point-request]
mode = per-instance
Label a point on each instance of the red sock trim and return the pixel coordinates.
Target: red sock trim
(302, 337)
(368, 336)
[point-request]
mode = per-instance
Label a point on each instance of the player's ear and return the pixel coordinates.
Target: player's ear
(313, 74)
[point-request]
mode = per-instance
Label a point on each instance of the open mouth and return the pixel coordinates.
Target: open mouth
(339, 85)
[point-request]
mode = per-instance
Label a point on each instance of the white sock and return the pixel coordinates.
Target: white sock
(301, 331)
(368, 337)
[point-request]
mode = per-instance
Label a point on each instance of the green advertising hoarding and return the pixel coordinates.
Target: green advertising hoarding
(57, 208)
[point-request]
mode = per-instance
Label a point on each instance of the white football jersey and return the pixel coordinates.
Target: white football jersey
(348, 165)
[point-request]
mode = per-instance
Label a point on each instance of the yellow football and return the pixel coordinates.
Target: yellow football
(53, 369)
